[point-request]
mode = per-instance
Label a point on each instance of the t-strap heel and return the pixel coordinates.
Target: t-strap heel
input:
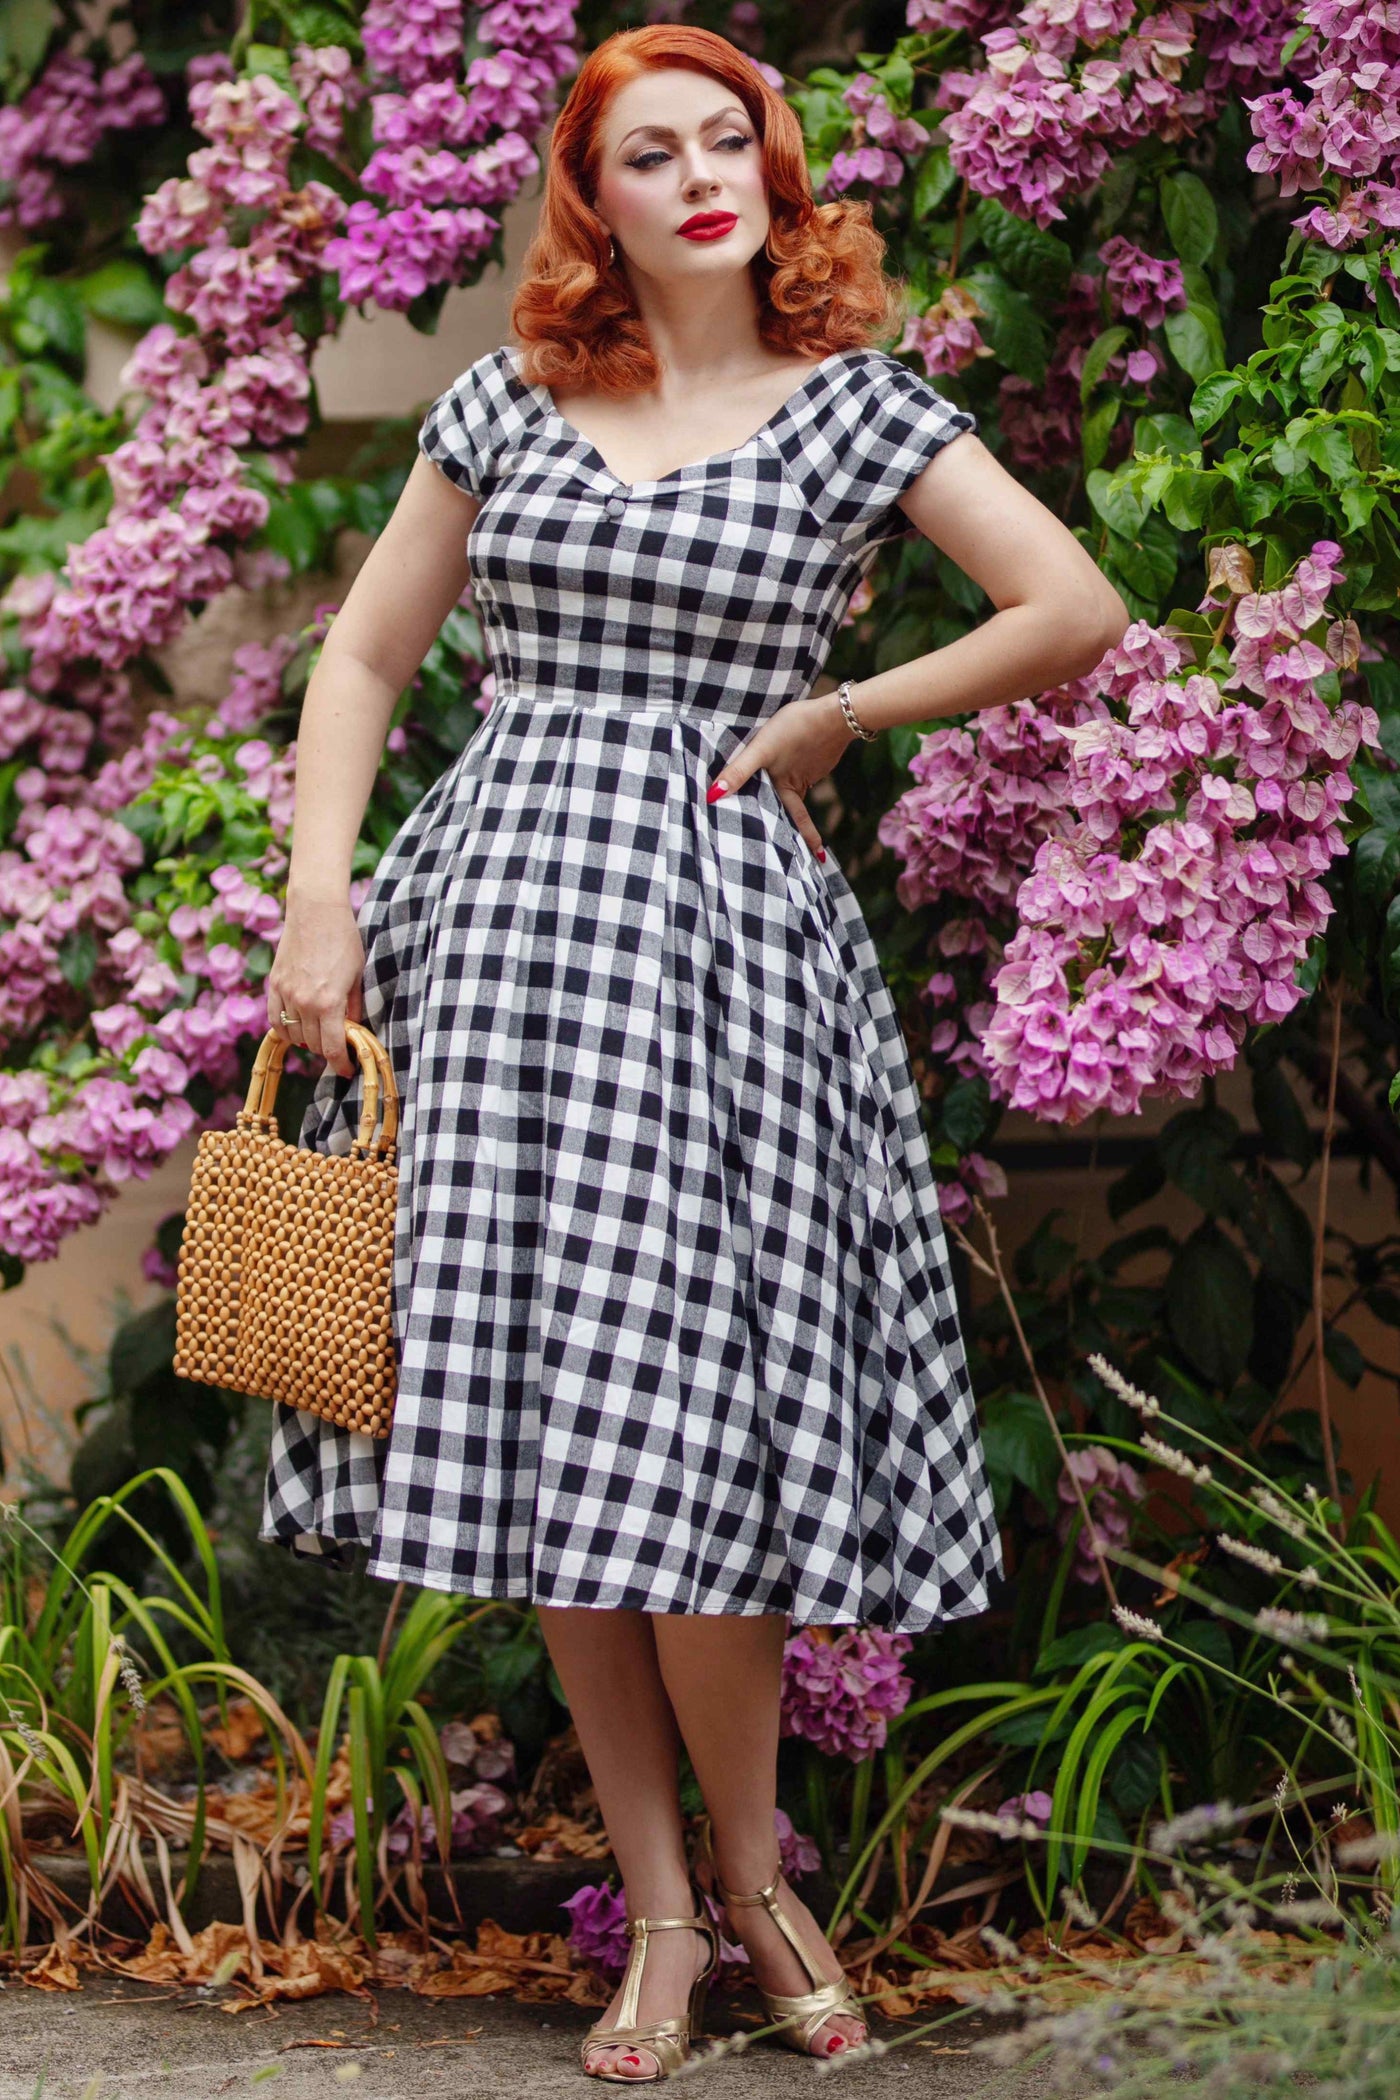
(802, 2012)
(668, 2040)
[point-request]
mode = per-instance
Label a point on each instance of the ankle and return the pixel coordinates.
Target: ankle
(747, 1868)
(667, 1898)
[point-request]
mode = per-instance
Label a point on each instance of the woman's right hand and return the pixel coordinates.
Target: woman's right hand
(318, 975)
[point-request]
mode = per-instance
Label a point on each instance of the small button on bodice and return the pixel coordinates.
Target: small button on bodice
(615, 506)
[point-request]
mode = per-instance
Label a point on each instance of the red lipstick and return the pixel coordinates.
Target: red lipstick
(708, 225)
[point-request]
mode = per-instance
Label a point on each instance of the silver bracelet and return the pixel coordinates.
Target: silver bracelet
(843, 694)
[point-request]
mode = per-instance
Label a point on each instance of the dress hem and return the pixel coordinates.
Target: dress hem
(340, 1550)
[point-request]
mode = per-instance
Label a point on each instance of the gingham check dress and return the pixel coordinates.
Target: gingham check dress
(675, 1324)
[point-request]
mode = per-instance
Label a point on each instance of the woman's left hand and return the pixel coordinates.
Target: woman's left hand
(797, 745)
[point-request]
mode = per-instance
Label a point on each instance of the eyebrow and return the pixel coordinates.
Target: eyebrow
(664, 131)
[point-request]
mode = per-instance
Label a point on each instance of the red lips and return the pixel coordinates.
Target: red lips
(709, 223)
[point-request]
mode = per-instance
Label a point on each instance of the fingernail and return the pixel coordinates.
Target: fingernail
(719, 787)
(821, 853)
(834, 2044)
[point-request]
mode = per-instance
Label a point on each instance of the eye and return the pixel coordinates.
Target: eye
(656, 154)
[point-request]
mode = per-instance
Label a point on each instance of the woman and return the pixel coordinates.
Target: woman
(679, 1357)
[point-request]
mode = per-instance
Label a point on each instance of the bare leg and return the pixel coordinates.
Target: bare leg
(607, 1664)
(723, 1675)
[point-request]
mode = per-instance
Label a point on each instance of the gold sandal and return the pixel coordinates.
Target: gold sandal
(668, 2040)
(804, 2012)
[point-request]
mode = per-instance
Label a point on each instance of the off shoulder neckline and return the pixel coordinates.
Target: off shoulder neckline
(585, 447)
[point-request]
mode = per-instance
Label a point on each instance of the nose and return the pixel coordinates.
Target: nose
(699, 178)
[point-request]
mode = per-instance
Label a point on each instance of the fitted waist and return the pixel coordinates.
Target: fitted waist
(718, 708)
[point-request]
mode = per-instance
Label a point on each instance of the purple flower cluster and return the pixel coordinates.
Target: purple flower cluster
(61, 121)
(1068, 84)
(1345, 138)
(841, 1688)
(946, 336)
(1109, 1486)
(884, 143)
(181, 505)
(1139, 286)
(985, 799)
(1175, 909)
(435, 166)
(172, 994)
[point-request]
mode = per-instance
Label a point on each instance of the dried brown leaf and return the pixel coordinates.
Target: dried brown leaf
(55, 1970)
(244, 1728)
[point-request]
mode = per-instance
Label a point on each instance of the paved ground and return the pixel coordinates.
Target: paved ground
(118, 2040)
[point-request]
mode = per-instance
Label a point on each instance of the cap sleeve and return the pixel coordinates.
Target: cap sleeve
(888, 424)
(458, 432)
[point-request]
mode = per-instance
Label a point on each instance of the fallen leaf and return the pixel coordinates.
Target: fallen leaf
(55, 1970)
(244, 1728)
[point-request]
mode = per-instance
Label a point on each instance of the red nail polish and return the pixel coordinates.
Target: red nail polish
(821, 853)
(716, 790)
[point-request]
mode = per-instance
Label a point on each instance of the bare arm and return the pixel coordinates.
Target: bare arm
(1057, 613)
(412, 577)
(410, 580)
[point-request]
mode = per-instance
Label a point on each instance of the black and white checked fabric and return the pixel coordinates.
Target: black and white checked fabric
(674, 1316)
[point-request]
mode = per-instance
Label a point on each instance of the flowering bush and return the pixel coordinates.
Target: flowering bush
(116, 995)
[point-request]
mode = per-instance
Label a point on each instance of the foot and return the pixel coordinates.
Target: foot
(674, 1960)
(773, 1960)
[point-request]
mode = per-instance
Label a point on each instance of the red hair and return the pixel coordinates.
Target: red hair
(573, 313)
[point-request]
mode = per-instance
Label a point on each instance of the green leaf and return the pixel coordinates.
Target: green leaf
(932, 183)
(25, 29)
(1026, 256)
(1013, 325)
(966, 1107)
(77, 956)
(1195, 1146)
(1208, 1304)
(1189, 211)
(1166, 433)
(1187, 498)
(1148, 563)
(272, 60)
(143, 1347)
(1019, 1447)
(1098, 428)
(1117, 502)
(1329, 447)
(1143, 1180)
(122, 291)
(1375, 866)
(1282, 1237)
(1195, 341)
(1279, 1114)
(50, 317)
(1213, 396)
(319, 25)
(1344, 1356)
(1101, 353)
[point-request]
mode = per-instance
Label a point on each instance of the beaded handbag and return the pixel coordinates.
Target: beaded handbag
(287, 1255)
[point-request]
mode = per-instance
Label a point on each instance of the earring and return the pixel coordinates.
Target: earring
(612, 252)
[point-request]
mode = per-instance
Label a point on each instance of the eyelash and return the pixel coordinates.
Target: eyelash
(735, 138)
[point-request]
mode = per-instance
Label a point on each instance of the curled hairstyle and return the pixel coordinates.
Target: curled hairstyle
(820, 278)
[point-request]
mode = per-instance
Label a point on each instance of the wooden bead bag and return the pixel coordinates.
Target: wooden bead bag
(287, 1256)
